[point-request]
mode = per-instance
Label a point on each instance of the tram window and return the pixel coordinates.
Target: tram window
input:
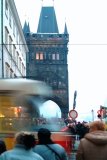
(14, 117)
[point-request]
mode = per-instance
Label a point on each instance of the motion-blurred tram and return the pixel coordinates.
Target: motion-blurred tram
(19, 104)
(19, 108)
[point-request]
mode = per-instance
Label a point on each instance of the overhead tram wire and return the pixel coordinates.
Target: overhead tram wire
(72, 44)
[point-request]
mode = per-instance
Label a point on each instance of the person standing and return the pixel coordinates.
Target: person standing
(24, 142)
(47, 148)
(94, 144)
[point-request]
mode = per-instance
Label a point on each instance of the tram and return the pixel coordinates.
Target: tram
(20, 101)
(19, 105)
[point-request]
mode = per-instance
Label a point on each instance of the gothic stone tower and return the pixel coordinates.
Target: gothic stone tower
(47, 57)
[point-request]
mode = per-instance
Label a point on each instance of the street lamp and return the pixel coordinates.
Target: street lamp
(92, 111)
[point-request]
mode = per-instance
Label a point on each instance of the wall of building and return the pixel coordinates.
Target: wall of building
(14, 45)
(0, 38)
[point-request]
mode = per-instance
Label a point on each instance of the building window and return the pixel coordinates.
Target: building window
(20, 63)
(6, 8)
(53, 56)
(7, 70)
(14, 52)
(20, 45)
(39, 56)
(14, 27)
(57, 56)
(23, 69)
(11, 73)
(17, 58)
(17, 36)
(10, 18)
(24, 53)
(10, 45)
(6, 36)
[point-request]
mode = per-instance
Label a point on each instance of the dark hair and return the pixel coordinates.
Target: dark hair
(2, 146)
(26, 139)
(44, 136)
(82, 129)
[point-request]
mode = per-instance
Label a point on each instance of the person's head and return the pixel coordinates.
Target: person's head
(2, 146)
(44, 136)
(97, 125)
(82, 129)
(26, 139)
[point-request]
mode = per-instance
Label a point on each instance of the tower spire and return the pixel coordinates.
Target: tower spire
(65, 29)
(47, 21)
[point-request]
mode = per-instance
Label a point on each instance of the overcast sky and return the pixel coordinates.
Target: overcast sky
(87, 27)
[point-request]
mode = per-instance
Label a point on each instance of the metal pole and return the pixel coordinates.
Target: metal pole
(92, 111)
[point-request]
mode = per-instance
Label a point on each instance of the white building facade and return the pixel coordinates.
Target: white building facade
(13, 46)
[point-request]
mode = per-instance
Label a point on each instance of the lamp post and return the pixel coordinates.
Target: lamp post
(74, 102)
(92, 111)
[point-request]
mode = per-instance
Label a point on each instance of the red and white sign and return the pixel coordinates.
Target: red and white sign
(73, 114)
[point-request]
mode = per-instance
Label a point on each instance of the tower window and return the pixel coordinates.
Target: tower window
(53, 56)
(39, 56)
(57, 56)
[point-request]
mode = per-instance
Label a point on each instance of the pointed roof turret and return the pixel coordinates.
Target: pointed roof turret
(65, 29)
(47, 21)
(26, 28)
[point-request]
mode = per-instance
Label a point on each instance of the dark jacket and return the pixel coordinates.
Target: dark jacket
(93, 146)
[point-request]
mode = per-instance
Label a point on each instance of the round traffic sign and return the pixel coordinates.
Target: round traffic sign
(73, 114)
